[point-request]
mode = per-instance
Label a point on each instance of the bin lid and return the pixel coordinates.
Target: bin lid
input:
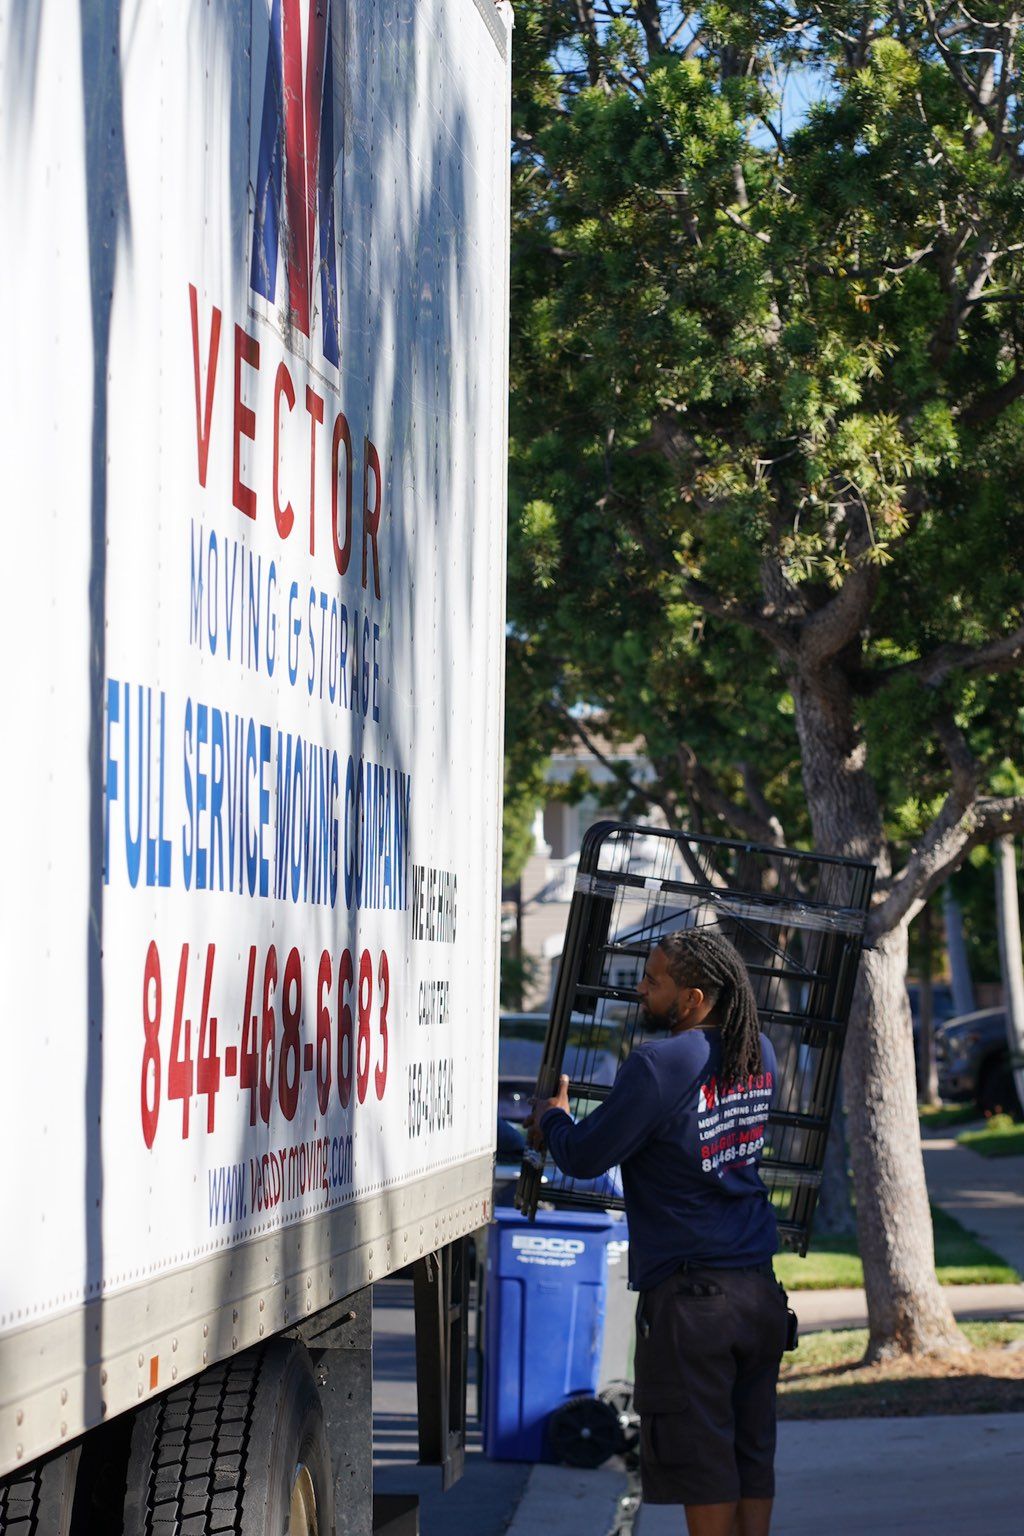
(573, 1221)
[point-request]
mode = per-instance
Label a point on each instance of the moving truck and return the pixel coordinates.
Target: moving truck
(253, 417)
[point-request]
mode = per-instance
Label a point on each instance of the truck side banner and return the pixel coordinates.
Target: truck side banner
(253, 415)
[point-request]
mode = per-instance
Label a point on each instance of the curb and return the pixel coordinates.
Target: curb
(842, 1308)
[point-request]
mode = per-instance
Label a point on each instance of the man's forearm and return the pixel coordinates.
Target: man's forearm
(574, 1148)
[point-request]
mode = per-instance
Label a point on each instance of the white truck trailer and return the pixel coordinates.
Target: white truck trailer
(253, 417)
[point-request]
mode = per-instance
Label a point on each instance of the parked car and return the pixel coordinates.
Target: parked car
(519, 1062)
(943, 1009)
(973, 1057)
(943, 1005)
(511, 1141)
(521, 1049)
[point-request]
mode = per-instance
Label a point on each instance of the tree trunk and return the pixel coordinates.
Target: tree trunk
(928, 1072)
(1008, 922)
(956, 948)
(907, 1311)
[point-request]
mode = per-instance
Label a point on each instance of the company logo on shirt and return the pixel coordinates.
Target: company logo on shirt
(295, 228)
(731, 1122)
(711, 1093)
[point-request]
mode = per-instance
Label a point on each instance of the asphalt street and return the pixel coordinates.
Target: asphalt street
(485, 1499)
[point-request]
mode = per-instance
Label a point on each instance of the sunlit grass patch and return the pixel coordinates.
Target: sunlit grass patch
(834, 1262)
(1001, 1136)
(934, 1118)
(824, 1377)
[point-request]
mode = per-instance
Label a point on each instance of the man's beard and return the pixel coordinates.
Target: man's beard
(658, 1021)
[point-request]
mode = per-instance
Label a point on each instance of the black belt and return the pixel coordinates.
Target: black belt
(689, 1266)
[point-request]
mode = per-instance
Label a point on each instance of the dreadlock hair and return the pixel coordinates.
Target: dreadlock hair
(698, 958)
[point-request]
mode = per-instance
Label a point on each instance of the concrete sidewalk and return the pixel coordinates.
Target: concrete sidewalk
(569, 1501)
(984, 1194)
(945, 1476)
(818, 1310)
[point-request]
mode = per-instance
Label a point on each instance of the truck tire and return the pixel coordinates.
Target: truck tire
(41, 1501)
(239, 1451)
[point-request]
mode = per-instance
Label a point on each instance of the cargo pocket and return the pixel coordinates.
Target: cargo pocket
(672, 1320)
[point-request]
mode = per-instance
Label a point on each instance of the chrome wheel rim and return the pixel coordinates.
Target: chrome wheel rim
(302, 1519)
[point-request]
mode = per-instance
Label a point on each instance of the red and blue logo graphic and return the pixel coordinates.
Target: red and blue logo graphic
(297, 151)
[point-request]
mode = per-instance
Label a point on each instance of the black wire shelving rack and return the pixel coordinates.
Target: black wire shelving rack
(798, 921)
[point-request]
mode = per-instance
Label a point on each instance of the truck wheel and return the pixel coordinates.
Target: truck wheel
(239, 1451)
(41, 1501)
(585, 1431)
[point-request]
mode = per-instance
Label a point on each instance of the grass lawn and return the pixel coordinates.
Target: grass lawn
(824, 1379)
(937, 1119)
(999, 1137)
(834, 1262)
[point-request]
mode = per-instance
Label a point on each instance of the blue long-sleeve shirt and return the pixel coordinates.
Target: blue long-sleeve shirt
(689, 1155)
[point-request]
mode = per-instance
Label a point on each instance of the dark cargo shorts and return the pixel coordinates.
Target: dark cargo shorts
(709, 1343)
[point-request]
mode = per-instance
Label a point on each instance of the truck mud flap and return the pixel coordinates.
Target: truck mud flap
(441, 1296)
(41, 1501)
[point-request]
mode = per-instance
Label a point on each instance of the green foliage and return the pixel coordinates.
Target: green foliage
(530, 734)
(760, 367)
(524, 790)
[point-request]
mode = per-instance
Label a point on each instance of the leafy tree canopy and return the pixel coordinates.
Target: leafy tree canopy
(768, 403)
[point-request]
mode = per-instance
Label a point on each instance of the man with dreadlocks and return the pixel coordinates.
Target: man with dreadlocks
(685, 1121)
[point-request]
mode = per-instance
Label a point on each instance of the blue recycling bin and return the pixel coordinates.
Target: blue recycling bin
(547, 1283)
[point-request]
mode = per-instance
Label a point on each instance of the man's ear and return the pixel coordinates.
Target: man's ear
(694, 998)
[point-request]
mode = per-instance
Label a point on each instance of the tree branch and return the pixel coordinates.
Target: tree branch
(1003, 654)
(747, 822)
(953, 64)
(829, 629)
(997, 122)
(944, 341)
(755, 234)
(617, 769)
(963, 765)
(649, 14)
(759, 804)
(592, 47)
(665, 804)
(950, 838)
(766, 620)
(989, 406)
(775, 132)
